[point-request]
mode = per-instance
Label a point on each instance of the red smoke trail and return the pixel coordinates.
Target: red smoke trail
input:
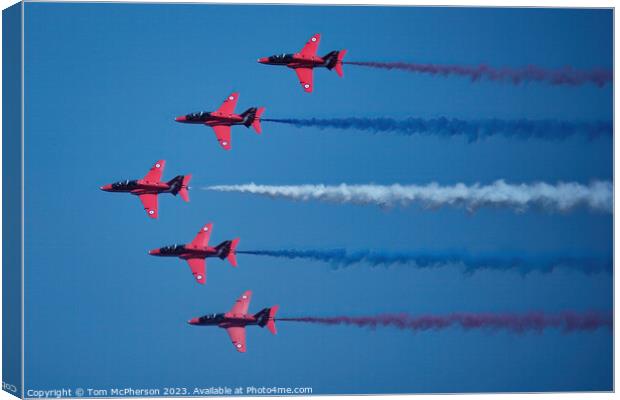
(566, 322)
(531, 73)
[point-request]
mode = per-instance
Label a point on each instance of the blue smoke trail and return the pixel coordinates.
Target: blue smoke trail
(378, 258)
(473, 130)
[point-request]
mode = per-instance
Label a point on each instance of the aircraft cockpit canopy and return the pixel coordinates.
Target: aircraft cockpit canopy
(197, 116)
(211, 317)
(126, 184)
(284, 57)
(172, 249)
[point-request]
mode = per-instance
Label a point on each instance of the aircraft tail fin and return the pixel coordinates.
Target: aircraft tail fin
(232, 253)
(333, 60)
(251, 117)
(256, 121)
(179, 185)
(267, 317)
(227, 250)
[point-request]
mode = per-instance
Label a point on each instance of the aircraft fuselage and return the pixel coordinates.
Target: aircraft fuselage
(225, 320)
(235, 320)
(213, 118)
(187, 251)
(137, 187)
(296, 60)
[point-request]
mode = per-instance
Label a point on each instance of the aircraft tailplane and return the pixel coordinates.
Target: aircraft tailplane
(267, 317)
(251, 117)
(338, 65)
(232, 253)
(183, 192)
(179, 185)
(333, 60)
(256, 122)
(271, 321)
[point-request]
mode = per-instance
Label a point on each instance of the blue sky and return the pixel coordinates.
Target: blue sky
(103, 83)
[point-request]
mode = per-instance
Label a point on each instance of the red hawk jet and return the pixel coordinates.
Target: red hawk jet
(196, 252)
(222, 119)
(150, 186)
(238, 318)
(306, 60)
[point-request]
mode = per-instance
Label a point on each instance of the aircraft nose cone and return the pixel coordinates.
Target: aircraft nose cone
(263, 60)
(182, 118)
(193, 321)
(105, 188)
(154, 252)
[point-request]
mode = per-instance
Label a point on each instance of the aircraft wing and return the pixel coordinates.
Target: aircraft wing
(237, 336)
(222, 133)
(242, 304)
(311, 46)
(149, 202)
(202, 238)
(156, 171)
(305, 78)
(228, 106)
(199, 269)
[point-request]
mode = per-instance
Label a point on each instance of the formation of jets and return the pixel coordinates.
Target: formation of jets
(198, 250)
(304, 62)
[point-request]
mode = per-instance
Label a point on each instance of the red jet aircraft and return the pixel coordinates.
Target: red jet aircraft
(306, 60)
(222, 119)
(238, 318)
(196, 252)
(150, 186)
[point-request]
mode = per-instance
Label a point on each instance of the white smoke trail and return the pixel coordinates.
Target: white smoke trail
(597, 196)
